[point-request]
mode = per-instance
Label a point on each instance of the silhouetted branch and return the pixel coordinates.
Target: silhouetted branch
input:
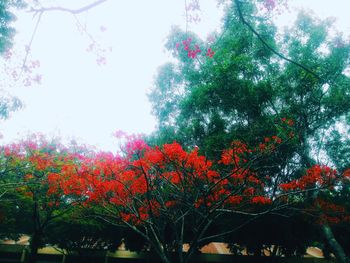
(251, 28)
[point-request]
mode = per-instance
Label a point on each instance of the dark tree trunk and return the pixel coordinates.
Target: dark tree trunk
(36, 237)
(34, 246)
(334, 245)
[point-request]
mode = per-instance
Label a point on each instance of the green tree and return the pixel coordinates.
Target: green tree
(32, 166)
(79, 232)
(257, 84)
(8, 103)
(7, 17)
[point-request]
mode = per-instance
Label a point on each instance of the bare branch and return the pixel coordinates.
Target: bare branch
(68, 10)
(40, 12)
(28, 47)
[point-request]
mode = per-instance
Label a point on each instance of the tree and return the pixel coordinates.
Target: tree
(171, 197)
(34, 165)
(337, 148)
(8, 103)
(250, 79)
(164, 194)
(7, 17)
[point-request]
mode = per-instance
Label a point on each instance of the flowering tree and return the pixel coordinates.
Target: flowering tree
(169, 196)
(172, 197)
(30, 168)
(253, 78)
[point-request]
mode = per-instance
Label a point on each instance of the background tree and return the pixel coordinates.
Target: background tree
(7, 18)
(8, 103)
(79, 233)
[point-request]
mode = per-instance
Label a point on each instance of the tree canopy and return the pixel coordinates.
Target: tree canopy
(259, 82)
(7, 17)
(252, 127)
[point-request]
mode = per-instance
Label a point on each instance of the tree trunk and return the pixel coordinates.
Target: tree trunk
(34, 246)
(334, 245)
(35, 240)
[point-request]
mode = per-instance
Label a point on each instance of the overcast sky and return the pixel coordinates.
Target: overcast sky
(80, 99)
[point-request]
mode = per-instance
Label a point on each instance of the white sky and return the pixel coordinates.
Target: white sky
(82, 100)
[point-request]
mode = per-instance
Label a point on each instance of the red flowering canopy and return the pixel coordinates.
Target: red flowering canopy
(152, 182)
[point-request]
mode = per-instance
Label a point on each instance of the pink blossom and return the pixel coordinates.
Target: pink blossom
(269, 4)
(210, 53)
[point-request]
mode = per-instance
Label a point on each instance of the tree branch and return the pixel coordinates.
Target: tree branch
(68, 10)
(269, 47)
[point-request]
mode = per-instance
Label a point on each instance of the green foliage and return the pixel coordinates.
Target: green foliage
(79, 232)
(6, 19)
(8, 104)
(7, 31)
(14, 213)
(246, 91)
(338, 148)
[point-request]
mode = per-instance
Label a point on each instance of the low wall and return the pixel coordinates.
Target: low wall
(17, 253)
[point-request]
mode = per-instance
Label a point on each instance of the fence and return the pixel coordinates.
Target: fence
(17, 254)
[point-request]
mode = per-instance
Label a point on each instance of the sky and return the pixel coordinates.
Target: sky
(82, 100)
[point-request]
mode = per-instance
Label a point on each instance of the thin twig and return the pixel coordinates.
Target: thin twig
(41, 11)
(28, 47)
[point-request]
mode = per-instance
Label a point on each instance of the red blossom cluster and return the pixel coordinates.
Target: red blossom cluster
(330, 212)
(287, 121)
(346, 173)
(261, 200)
(269, 144)
(316, 176)
(193, 49)
(210, 53)
(235, 155)
(148, 181)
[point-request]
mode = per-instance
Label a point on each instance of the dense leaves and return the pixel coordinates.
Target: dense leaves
(6, 19)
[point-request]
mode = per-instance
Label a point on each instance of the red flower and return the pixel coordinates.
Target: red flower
(234, 200)
(347, 173)
(262, 146)
(210, 53)
(261, 200)
(277, 139)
